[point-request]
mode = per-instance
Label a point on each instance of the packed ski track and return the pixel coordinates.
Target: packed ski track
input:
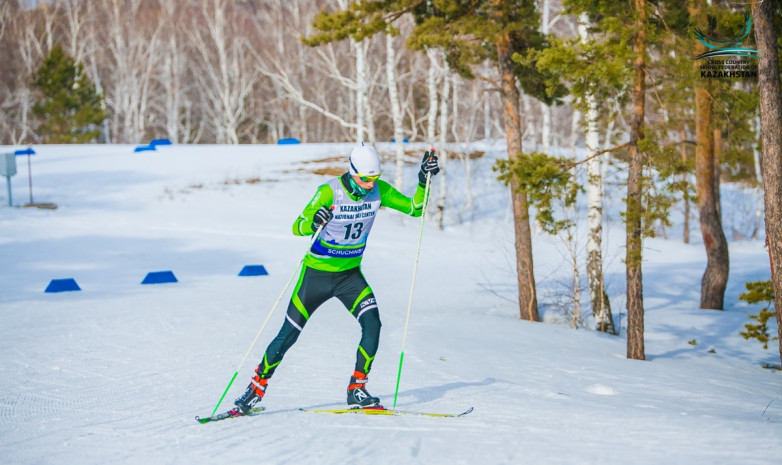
(116, 372)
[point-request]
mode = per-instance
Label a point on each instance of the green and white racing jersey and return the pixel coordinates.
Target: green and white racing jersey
(341, 243)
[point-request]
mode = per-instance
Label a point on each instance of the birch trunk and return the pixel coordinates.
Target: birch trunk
(91, 65)
(530, 133)
(442, 150)
(396, 111)
(486, 106)
(545, 128)
(431, 86)
(360, 89)
(601, 307)
(575, 123)
(545, 110)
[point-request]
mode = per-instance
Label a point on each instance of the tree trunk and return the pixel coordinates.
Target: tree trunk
(545, 128)
(771, 137)
(439, 216)
(715, 278)
(758, 179)
(431, 86)
(545, 110)
(601, 307)
(396, 110)
(634, 214)
(361, 90)
(685, 188)
(528, 303)
(486, 105)
(530, 132)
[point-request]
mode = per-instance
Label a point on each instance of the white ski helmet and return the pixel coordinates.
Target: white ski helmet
(364, 161)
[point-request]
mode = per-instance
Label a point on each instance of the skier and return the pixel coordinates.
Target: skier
(345, 209)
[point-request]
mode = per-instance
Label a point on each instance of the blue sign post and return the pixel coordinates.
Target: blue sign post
(28, 151)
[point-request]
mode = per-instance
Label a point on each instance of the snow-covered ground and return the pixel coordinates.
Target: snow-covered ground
(116, 373)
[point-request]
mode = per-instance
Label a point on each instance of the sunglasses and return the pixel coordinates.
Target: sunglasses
(368, 178)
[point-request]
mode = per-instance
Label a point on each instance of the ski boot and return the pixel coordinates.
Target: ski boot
(252, 396)
(358, 397)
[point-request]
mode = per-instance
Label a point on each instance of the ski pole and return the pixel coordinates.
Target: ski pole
(268, 317)
(412, 286)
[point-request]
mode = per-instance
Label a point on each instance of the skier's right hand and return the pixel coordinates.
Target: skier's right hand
(429, 167)
(322, 216)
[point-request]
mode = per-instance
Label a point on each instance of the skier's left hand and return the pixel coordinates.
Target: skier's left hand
(428, 165)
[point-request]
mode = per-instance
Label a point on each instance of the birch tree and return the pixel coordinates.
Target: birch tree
(619, 57)
(176, 107)
(432, 78)
(594, 53)
(133, 60)
(396, 110)
(7, 54)
(439, 217)
(545, 110)
(228, 75)
(75, 40)
(601, 307)
(93, 61)
(361, 89)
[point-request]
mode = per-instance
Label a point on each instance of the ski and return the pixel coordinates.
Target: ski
(359, 411)
(385, 411)
(233, 413)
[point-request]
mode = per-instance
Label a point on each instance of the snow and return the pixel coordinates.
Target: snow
(116, 372)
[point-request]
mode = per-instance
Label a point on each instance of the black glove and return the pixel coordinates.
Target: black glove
(428, 165)
(322, 216)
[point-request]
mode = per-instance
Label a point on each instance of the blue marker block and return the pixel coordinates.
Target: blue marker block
(288, 141)
(156, 142)
(62, 285)
(159, 277)
(27, 151)
(145, 148)
(253, 270)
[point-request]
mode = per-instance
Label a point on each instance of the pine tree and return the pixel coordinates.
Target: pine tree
(471, 32)
(715, 278)
(69, 109)
(716, 112)
(763, 14)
